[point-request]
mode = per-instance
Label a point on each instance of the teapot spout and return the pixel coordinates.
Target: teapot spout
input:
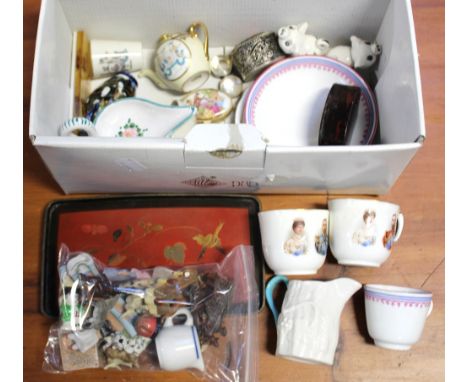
(152, 76)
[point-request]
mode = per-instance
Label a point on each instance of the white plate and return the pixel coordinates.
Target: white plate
(239, 117)
(286, 102)
(138, 117)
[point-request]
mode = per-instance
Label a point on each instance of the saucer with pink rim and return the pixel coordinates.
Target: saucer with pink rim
(286, 101)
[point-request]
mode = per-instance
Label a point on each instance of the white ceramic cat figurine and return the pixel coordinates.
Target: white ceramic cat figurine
(308, 326)
(361, 53)
(293, 40)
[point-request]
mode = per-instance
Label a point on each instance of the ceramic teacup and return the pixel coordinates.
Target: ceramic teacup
(395, 315)
(182, 60)
(294, 242)
(178, 346)
(363, 231)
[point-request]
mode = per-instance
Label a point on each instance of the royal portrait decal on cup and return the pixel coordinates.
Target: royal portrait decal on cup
(363, 231)
(295, 242)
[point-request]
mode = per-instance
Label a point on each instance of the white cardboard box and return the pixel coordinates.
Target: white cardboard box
(148, 165)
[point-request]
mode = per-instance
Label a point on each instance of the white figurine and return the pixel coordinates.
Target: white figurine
(293, 40)
(361, 53)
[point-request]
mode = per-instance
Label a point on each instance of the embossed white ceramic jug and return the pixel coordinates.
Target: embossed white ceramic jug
(309, 323)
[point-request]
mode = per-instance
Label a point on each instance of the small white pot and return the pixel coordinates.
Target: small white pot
(178, 346)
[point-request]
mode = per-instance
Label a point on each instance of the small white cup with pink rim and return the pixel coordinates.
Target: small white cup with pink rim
(396, 315)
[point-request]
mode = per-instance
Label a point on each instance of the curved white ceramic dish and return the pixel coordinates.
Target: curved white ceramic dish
(139, 117)
(286, 102)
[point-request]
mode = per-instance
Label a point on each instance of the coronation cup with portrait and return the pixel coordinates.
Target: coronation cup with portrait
(295, 242)
(363, 231)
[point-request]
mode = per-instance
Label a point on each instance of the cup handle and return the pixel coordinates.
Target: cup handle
(400, 224)
(192, 30)
(169, 321)
(430, 309)
(275, 280)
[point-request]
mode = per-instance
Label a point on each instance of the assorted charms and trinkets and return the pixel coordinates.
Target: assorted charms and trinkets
(119, 318)
(120, 85)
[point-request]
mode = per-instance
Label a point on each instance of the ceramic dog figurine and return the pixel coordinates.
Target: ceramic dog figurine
(361, 53)
(293, 40)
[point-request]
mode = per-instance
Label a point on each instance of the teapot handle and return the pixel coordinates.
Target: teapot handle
(275, 280)
(192, 30)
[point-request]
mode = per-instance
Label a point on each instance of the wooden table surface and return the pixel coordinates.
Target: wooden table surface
(417, 260)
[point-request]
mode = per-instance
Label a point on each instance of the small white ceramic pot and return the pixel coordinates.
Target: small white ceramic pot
(395, 315)
(294, 242)
(363, 231)
(178, 346)
(109, 56)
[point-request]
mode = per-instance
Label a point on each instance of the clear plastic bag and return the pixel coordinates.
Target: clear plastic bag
(202, 318)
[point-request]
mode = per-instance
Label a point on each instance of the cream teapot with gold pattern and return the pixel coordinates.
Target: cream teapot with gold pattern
(182, 60)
